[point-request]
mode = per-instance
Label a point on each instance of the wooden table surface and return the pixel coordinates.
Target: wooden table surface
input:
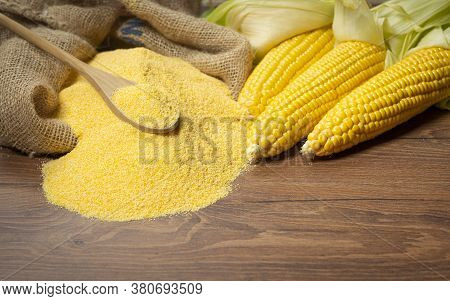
(379, 211)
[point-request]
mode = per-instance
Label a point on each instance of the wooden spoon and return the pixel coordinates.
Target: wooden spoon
(105, 83)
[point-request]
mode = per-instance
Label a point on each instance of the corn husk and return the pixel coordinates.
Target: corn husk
(437, 37)
(405, 22)
(266, 23)
(354, 21)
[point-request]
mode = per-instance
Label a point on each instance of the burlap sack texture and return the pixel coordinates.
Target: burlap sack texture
(216, 51)
(30, 79)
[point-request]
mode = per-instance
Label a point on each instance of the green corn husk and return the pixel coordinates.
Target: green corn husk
(353, 20)
(266, 23)
(405, 22)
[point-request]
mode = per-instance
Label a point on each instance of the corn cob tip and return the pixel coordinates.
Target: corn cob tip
(308, 152)
(254, 153)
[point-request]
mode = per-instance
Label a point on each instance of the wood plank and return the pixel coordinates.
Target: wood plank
(396, 169)
(433, 123)
(378, 211)
(30, 227)
(19, 168)
(238, 240)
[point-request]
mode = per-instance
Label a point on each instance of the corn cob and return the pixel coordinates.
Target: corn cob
(293, 113)
(388, 99)
(281, 64)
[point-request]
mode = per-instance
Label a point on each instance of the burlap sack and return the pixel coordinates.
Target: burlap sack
(213, 49)
(31, 79)
(191, 7)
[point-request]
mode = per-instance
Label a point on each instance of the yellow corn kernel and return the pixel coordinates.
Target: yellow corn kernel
(282, 64)
(304, 101)
(388, 99)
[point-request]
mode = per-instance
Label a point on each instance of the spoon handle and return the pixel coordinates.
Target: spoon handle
(36, 40)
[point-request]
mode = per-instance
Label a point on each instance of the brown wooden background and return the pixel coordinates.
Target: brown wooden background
(379, 211)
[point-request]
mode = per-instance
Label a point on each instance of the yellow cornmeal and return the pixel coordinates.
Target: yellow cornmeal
(146, 104)
(118, 173)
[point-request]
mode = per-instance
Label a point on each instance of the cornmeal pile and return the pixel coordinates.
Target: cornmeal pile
(147, 104)
(118, 173)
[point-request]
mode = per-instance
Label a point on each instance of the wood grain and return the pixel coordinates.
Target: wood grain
(379, 211)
